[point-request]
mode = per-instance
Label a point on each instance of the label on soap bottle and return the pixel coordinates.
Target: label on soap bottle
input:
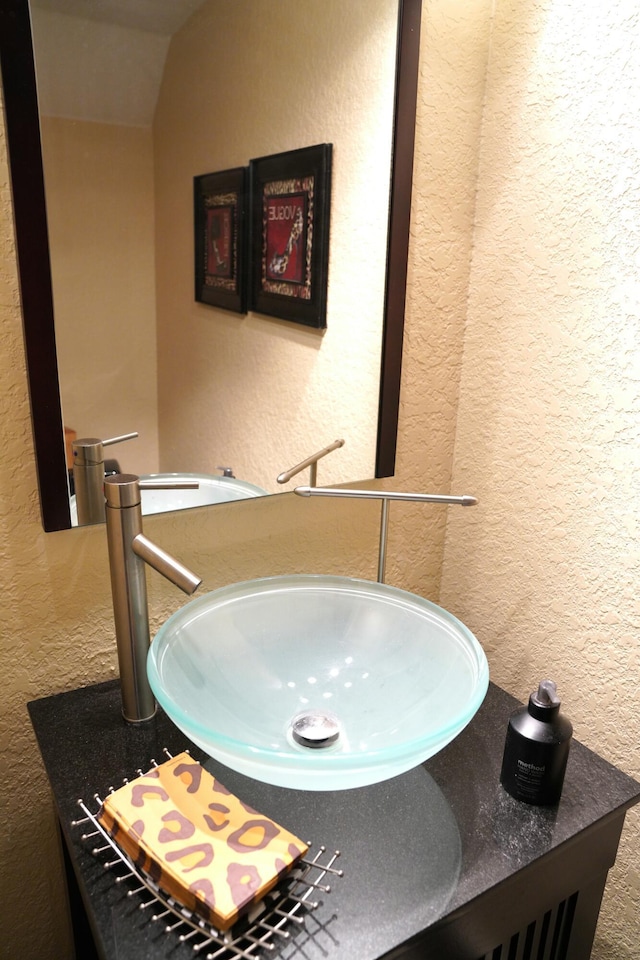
(530, 778)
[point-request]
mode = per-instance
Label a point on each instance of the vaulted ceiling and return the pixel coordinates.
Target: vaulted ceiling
(102, 60)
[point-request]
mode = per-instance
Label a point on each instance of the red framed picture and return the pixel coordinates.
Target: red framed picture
(220, 201)
(290, 207)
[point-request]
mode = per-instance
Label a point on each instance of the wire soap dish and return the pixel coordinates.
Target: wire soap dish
(267, 922)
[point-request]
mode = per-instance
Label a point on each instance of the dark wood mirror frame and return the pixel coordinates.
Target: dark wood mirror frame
(32, 243)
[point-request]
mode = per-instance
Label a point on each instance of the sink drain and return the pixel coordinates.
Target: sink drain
(315, 729)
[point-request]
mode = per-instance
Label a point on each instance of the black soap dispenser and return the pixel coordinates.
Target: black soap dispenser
(537, 748)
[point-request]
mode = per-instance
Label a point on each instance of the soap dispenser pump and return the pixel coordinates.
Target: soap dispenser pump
(537, 748)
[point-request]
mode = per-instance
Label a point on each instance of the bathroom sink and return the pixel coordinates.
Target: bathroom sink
(211, 489)
(317, 682)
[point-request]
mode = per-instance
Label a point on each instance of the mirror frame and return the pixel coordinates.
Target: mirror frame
(34, 266)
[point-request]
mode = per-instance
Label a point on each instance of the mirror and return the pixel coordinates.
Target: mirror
(33, 250)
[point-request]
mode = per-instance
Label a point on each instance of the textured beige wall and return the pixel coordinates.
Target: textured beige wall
(99, 181)
(246, 80)
(546, 569)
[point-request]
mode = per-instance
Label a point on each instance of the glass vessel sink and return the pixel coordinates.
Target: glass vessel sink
(211, 489)
(317, 682)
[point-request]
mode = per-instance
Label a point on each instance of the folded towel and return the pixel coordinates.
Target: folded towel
(197, 841)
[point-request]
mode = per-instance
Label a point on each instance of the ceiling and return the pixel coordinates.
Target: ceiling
(156, 16)
(103, 60)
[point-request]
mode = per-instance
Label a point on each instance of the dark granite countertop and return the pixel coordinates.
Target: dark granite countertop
(414, 849)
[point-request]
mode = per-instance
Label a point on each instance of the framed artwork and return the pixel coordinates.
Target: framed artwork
(220, 214)
(290, 207)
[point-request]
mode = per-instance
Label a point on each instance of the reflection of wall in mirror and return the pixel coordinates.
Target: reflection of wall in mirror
(104, 284)
(241, 80)
(97, 83)
(245, 80)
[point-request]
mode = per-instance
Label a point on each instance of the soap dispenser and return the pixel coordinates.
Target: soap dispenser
(537, 748)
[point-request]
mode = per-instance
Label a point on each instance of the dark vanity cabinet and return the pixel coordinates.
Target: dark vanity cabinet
(438, 864)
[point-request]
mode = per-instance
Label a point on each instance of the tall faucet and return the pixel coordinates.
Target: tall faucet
(129, 550)
(385, 496)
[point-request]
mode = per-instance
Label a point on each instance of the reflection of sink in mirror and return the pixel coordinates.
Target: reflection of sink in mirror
(210, 489)
(317, 682)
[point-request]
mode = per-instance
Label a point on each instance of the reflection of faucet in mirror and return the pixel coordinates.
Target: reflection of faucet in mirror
(88, 476)
(385, 496)
(129, 550)
(89, 471)
(311, 462)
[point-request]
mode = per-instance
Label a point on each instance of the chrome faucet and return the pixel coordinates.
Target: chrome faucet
(88, 476)
(129, 550)
(385, 496)
(311, 462)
